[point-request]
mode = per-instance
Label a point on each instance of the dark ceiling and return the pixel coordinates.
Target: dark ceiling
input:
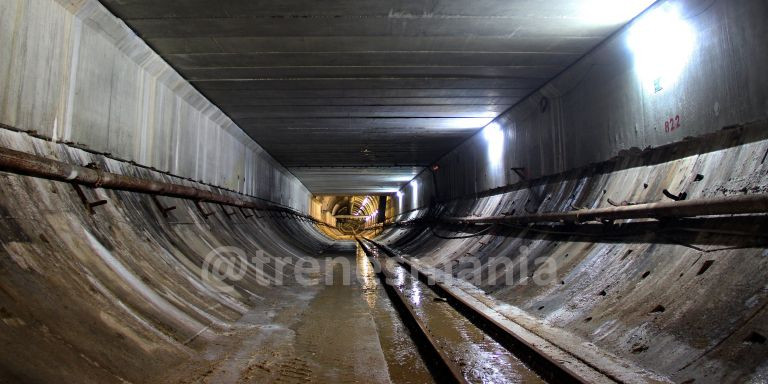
(368, 83)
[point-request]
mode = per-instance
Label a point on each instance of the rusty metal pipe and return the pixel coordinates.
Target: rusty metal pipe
(731, 205)
(32, 165)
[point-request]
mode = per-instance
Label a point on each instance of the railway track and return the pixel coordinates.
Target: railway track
(462, 343)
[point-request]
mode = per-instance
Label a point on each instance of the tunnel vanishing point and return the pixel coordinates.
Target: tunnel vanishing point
(383, 191)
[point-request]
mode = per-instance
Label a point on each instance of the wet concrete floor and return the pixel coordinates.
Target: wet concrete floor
(341, 330)
(344, 329)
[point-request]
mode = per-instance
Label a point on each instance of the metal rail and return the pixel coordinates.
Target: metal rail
(439, 364)
(32, 165)
(551, 369)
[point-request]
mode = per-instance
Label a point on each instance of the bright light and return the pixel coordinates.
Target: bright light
(362, 206)
(494, 136)
(415, 186)
(662, 43)
(399, 201)
(611, 12)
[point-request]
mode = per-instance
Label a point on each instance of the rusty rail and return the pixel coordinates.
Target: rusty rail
(32, 165)
(439, 364)
(550, 368)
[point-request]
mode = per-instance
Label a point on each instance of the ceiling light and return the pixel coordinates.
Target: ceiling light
(494, 137)
(661, 42)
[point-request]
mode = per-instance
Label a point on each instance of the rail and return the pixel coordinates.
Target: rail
(556, 368)
(437, 361)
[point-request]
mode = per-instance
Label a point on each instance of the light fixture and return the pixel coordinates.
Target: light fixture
(415, 185)
(661, 42)
(494, 137)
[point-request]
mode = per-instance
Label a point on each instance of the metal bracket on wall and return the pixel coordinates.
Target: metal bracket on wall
(202, 210)
(245, 214)
(88, 204)
(521, 173)
(678, 197)
(163, 209)
(228, 214)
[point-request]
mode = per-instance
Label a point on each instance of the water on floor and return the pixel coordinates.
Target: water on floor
(343, 330)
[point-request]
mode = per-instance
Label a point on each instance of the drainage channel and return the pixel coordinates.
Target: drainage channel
(452, 346)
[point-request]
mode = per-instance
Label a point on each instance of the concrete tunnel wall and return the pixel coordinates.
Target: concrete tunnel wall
(606, 290)
(71, 72)
(600, 106)
(602, 137)
(123, 295)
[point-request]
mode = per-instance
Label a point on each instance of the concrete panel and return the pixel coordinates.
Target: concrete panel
(432, 111)
(323, 59)
(126, 106)
(243, 97)
(600, 106)
(93, 90)
(375, 26)
(564, 44)
(349, 71)
(341, 102)
(402, 9)
(324, 180)
(72, 72)
(34, 66)
(297, 52)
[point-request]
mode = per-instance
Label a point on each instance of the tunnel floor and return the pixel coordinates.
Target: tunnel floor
(325, 333)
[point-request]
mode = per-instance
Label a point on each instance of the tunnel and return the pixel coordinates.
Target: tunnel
(383, 191)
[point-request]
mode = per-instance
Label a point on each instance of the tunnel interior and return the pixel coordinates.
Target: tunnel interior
(383, 191)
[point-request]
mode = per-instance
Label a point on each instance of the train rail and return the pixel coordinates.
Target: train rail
(439, 364)
(549, 363)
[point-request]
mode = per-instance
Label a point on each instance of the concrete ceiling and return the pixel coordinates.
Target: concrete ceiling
(368, 83)
(355, 180)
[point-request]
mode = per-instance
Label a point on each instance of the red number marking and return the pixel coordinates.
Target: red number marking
(672, 124)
